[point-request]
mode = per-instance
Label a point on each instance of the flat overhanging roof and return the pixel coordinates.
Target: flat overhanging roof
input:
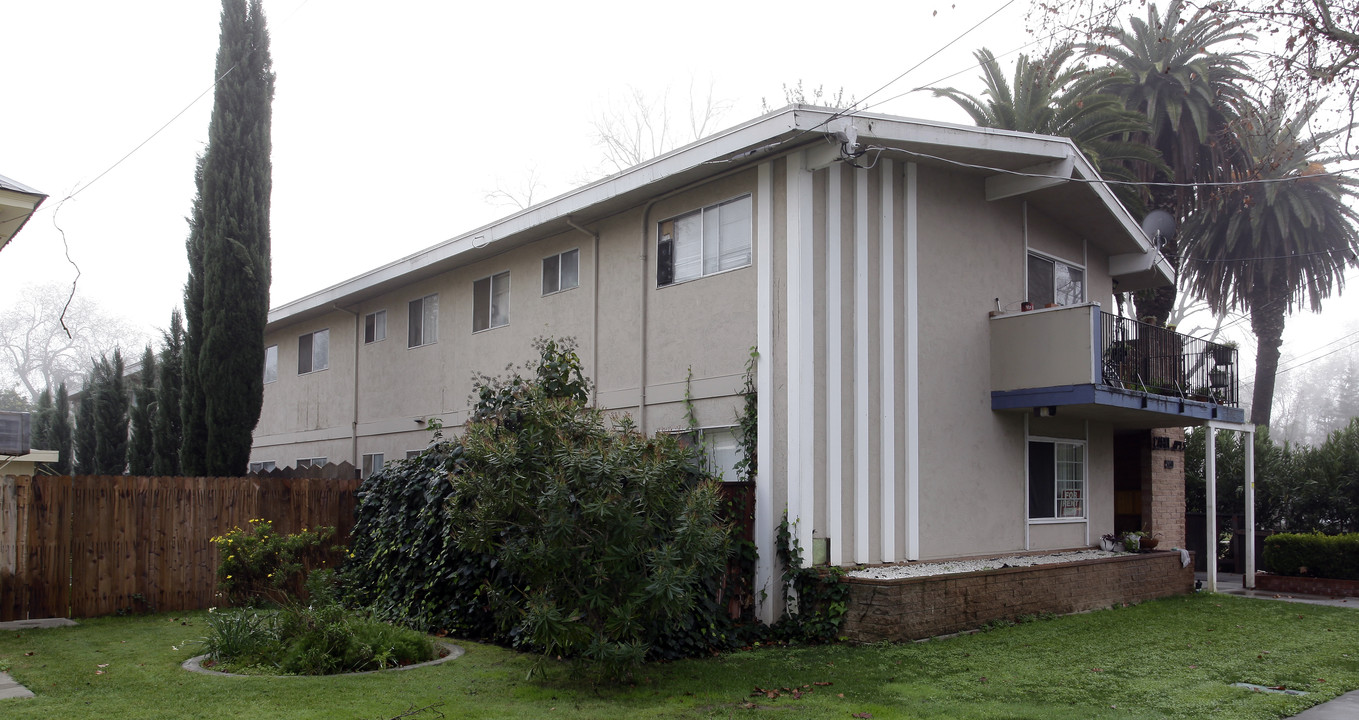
(1124, 409)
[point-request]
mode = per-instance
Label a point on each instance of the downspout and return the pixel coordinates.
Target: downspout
(354, 422)
(646, 239)
(594, 313)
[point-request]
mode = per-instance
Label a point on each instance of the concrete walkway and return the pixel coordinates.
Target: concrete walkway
(1234, 584)
(8, 687)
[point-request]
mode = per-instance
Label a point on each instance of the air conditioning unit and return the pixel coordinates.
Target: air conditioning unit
(14, 433)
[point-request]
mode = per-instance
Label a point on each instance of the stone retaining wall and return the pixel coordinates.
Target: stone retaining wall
(1306, 585)
(914, 608)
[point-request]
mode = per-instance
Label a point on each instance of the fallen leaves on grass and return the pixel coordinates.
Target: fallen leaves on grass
(797, 691)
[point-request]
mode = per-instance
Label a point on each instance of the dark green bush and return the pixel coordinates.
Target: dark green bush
(403, 562)
(1297, 488)
(546, 529)
(1313, 555)
(615, 535)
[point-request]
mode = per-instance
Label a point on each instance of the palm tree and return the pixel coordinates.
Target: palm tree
(1051, 98)
(1283, 237)
(1167, 69)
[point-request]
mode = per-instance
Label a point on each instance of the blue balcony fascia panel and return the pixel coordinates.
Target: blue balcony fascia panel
(1113, 398)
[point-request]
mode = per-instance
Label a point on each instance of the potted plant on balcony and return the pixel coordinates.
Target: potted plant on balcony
(1218, 377)
(1224, 352)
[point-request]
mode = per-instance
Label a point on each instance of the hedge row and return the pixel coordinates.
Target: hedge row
(1313, 555)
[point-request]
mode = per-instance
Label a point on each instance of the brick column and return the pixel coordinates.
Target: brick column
(1163, 485)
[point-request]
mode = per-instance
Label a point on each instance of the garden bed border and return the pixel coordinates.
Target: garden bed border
(1270, 582)
(921, 607)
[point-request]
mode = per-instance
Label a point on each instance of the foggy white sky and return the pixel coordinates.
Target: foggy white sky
(393, 121)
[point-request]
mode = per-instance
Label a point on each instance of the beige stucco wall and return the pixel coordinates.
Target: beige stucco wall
(706, 324)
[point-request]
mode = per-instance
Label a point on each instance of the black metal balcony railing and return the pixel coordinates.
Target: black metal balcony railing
(1138, 356)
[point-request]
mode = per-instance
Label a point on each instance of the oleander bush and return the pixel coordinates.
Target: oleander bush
(1313, 555)
(547, 528)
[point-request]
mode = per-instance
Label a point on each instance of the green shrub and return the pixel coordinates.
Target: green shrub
(402, 560)
(542, 528)
(255, 563)
(244, 635)
(614, 535)
(319, 638)
(1313, 555)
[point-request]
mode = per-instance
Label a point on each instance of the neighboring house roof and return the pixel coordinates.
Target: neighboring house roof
(17, 203)
(1049, 171)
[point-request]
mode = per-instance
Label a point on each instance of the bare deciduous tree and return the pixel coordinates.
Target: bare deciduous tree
(638, 126)
(35, 350)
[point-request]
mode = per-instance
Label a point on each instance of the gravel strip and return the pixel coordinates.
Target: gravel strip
(952, 567)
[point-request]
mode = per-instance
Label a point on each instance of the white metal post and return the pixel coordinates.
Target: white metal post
(1248, 437)
(1210, 503)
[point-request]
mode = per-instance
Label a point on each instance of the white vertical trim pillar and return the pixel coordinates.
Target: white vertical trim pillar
(801, 354)
(888, 347)
(910, 267)
(861, 427)
(765, 590)
(834, 370)
(1249, 441)
(1210, 504)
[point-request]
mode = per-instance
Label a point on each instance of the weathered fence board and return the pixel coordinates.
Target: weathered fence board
(89, 546)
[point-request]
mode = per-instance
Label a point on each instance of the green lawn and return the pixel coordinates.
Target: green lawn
(1169, 658)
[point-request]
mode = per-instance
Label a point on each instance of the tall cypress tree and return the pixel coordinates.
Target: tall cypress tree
(166, 433)
(225, 349)
(61, 430)
(40, 436)
(140, 451)
(85, 435)
(193, 449)
(110, 408)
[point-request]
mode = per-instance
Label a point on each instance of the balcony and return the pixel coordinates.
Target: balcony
(1083, 363)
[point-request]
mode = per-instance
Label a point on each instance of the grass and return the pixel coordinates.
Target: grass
(1173, 658)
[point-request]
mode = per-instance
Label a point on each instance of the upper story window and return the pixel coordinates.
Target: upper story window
(270, 364)
(491, 302)
(704, 242)
(1056, 480)
(424, 321)
(561, 272)
(375, 327)
(313, 351)
(1053, 281)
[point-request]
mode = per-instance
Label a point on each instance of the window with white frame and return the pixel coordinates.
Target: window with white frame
(721, 451)
(423, 328)
(313, 352)
(372, 462)
(1057, 487)
(310, 462)
(263, 466)
(704, 242)
(413, 454)
(270, 364)
(491, 302)
(375, 327)
(561, 272)
(1054, 282)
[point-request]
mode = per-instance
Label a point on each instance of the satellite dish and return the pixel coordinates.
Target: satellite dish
(1159, 227)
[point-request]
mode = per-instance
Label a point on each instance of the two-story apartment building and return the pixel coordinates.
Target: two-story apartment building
(909, 407)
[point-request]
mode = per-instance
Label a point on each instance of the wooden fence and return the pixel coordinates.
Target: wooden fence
(89, 546)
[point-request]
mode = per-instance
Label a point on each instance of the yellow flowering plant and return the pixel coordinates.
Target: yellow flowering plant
(255, 563)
